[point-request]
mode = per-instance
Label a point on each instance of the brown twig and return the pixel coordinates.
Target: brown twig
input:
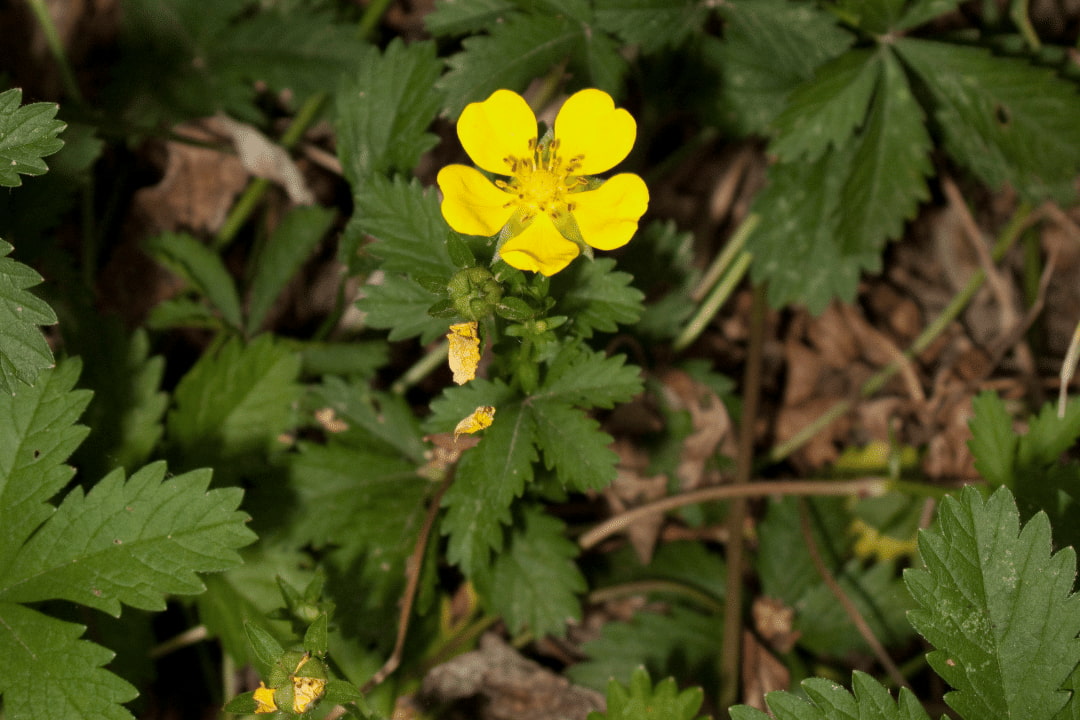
(845, 602)
(862, 487)
(412, 572)
(730, 645)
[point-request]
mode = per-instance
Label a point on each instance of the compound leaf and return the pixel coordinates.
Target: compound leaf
(587, 378)
(1006, 120)
(27, 134)
(998, 608)
(46, 670)
(23, 350)
(640, 699)
(131, 542)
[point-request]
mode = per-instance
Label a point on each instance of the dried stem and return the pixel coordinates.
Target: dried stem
(412, 574)
(845, 602)
(730, 645)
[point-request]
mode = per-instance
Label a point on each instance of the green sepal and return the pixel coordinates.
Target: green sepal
(284, 697)
(266, 647)
(315, 638)
(515, 309)
(314, 667)
(459, 251)
(242, 704)
(443, 309)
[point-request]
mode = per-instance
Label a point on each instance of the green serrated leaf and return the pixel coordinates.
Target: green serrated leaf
(288, 247)
(1006, 120)
(454, 17)
(596, 297)
(183, 58)
(534, 583)
(37, 434)
(574, 446)
(384, 110)
(795, 246)
(407, 225)
(373, 418)
(888, 173)
(828, 700)
(526, 47)
(27, 134)
(586, 378)
(993, 442)
(922, 11)
(232, 405)
(640, 700)
(128, 405)
(202, 268)
(681, 642)
(1048, 436)
(828, 110)
(352, 358)
(337, 504)
(652, 24)
(488, 479)
(23, 350)
(400, 305)
(130, 542)
(770, 47)
(186, 313)
(46, 670)
(998, 608)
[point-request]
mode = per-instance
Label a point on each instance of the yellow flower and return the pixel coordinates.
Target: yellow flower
(264, 700)
(545, 210)
(480, 418)
(464, 351)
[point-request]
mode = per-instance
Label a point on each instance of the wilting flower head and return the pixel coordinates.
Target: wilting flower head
(546, 209)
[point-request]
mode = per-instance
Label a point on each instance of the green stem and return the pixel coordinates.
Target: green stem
(1005, 241)
(642, 587)
(253, 193)
(56, 47)
(735, 261)
(434, 357)
(371, 17)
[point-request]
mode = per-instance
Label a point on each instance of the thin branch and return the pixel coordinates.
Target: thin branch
(412, 572)
(871, 486)
(845, 602)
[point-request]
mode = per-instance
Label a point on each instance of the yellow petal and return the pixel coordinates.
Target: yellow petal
(591, 127)
(501, 126)
(264, 700)
(539, 248)
(608, 216)
(471, 204)
(464, 351)
(480, 418)
(307, 690)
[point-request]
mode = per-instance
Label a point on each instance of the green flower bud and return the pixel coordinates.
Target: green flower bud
(474, 292)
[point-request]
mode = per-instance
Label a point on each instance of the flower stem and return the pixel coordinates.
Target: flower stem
(726, 271)
(431, 360)
(1006, 239)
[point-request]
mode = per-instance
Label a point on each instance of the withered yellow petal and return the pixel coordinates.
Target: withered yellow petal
(497, 128)
(264, 700)
(471, 204)
(480, 418)
(306, 690)
(590, 127)
(464, 351)
(540, 247)
(608, 216)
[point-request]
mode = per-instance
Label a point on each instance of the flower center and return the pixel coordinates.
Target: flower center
(541, 182)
